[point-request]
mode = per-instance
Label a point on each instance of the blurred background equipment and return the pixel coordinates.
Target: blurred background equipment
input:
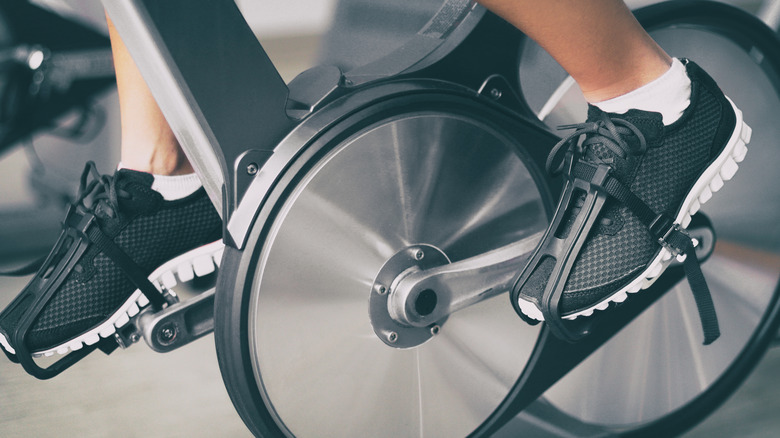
(52, 71)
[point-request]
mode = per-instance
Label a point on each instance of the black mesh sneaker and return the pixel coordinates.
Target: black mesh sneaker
(632, 185)
(121, 245)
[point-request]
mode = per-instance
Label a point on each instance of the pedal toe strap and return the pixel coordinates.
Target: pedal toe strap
(672, 237)
(86, 227)
(549, 268)
(584, 196)
(80, 232)
(130, 268)
(24, 310)
(701, 293)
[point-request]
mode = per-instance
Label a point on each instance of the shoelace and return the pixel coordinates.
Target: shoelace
(605, 131)
(102, 191)
(99, 196)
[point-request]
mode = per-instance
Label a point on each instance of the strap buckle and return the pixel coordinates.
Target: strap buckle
(669, 234)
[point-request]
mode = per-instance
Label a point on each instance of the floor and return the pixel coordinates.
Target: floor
(131, 393)
(140, 393)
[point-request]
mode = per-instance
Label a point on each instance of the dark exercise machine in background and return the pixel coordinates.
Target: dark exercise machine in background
(51, 72)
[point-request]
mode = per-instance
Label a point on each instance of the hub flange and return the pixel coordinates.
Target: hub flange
(385, 317)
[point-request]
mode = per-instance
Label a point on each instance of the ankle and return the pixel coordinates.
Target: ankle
(614, 90)
(627, 79)
(159, 164)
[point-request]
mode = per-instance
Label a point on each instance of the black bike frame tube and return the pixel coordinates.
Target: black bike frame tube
(216, 86)
(222, 96)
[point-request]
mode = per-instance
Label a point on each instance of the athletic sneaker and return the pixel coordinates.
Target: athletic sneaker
(632, 185)
(120, 247)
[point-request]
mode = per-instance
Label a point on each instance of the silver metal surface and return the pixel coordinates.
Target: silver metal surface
(657, 364)
(429, 43)
(462, 284)
(243, 219)
(178, 324)
(770, 13)
(425, 178)
(387, 310)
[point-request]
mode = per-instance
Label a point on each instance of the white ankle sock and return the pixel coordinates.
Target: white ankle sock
(173, 187)
(669, 95)
(176, 186)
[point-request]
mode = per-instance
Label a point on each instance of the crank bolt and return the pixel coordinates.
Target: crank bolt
(435, 329)
(381, 290)
(167, 334)
(419, 254)
(392, 337)
(495, 93)
(252, 168)
(135, 337)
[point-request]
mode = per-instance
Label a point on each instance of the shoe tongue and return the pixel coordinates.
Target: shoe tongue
(127, 176)
(141, 200)
(650, 124)
(139, 184)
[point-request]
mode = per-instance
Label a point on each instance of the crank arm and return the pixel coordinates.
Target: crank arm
(426, 296)
(172, 327)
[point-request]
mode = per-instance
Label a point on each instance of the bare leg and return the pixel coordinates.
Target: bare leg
(147, 142)
(598, 42)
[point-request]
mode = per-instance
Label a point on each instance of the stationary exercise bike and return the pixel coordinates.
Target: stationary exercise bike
(337, 187)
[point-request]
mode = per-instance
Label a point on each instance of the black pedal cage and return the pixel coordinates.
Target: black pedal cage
(564, 250)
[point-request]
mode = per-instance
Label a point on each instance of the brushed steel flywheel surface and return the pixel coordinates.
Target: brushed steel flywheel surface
(424, 178)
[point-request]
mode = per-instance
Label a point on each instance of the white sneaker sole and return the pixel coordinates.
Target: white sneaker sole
(722, 169)
(195, 263)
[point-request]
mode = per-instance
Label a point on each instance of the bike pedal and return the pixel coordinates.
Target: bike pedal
(172, 327)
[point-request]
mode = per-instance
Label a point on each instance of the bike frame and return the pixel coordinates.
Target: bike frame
(214, 107)
(229, 108)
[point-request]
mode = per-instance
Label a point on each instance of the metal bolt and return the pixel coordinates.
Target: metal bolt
(134, 337)
(392, 337)
(495, 93)
(381, 290)
(435, 329)
(167, 333)
(419, 254)
(252, 168)
(348, 82)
